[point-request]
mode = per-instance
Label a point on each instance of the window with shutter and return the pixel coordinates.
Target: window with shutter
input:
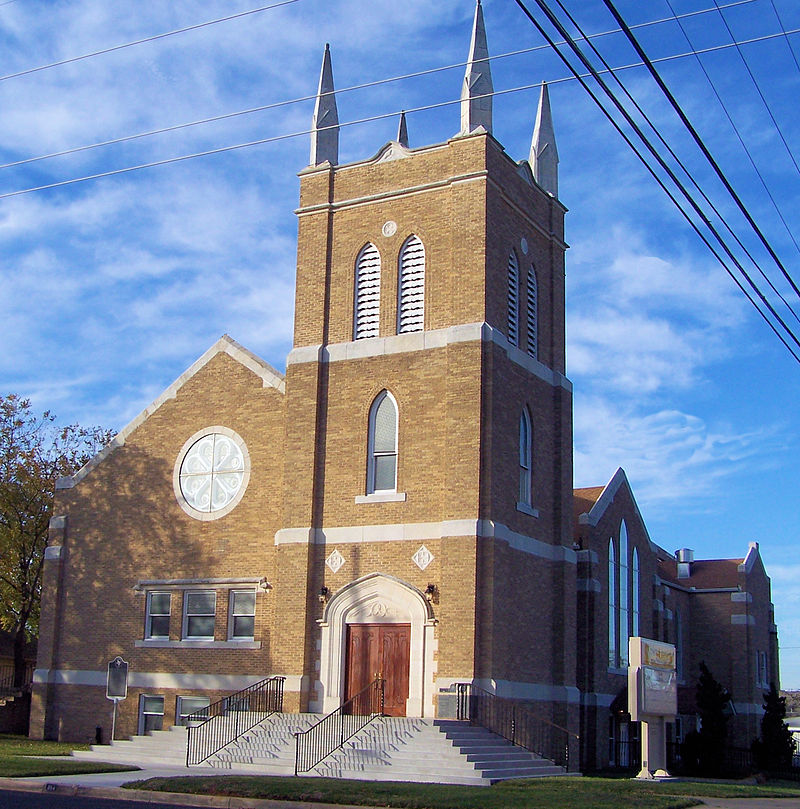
(411, 291)
(513, 299)
(533, 325)
(367, 293)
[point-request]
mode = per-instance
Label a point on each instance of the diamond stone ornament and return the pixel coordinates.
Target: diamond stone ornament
(335, 561)
(422, 558)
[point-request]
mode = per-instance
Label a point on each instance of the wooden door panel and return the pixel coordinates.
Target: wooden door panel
(379, 649)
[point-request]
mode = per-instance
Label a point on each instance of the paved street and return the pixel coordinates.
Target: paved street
(43, 800)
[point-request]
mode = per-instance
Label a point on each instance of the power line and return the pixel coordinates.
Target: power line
(562, 32)
(699, 141)
(404, 77)
(681, 164)
(739, 136)
(113, 48)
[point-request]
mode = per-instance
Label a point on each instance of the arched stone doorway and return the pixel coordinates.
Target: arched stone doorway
(377, 605)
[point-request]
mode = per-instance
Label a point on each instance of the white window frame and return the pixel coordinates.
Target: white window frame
(365, 327)
(143, 713)
(185, 628)
(149, 615)
(513, 298)
(525, 457)
(533, 315)
(179, 702)
(232, 616)
(613, 656)
(371, 453)
(409, 318)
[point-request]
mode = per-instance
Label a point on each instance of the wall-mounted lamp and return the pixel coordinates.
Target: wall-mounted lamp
(432, 594)
(324, 595)
(264, 584)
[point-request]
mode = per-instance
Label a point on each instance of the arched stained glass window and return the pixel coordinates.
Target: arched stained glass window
(612, 606)
(635, 592)
(525, 457)
(382, 444)
(367, 293)
(411, 287)
(624, 630)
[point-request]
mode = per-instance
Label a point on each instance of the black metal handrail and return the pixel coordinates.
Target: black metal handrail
(516, 721)
(212, 728)
(7, 686)
(333, 730)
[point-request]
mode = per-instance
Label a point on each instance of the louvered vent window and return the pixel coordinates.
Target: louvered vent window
(368, 293)
(532, 319)
(513, 299)
(411, 309)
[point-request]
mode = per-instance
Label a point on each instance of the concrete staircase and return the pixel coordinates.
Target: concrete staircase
(387, 749)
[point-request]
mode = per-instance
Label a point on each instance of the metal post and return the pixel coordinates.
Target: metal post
(114, 718)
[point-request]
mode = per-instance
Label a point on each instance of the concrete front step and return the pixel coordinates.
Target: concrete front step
(387, 749)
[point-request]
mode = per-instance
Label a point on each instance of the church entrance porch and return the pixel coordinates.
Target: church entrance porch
(383, 650)
(377, 624)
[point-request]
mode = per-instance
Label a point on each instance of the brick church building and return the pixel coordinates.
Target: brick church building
(400, 501)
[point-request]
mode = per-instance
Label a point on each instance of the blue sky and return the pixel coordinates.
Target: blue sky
(112, 287)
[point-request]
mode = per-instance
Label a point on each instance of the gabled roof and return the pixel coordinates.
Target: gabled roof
(225, 345)
(706, 574)
(583, 501)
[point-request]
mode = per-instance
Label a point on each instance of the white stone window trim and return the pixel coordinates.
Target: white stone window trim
(527, 508)
(149, 615)
(372, 454)
(185, 636)
(381, 497)
(197, 644)
(207, 516)
(232, 615)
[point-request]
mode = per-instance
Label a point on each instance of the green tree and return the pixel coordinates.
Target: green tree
(34, 453)
(713, 701)
(774, 750)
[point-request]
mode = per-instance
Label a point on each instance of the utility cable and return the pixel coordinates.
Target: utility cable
(761, 95)
(738, 135)
(402, 77)
(658, 179)
(680, 162)
(153, 38)
(783, 28)
(698, 140)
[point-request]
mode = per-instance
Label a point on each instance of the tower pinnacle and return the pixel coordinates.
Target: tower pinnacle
(476, 92)
(325, 123)
(543, 158)
(402, 130)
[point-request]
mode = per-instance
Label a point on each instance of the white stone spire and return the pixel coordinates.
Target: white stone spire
(325, 123)
(544, 154)
(402, 130)
(476, 92)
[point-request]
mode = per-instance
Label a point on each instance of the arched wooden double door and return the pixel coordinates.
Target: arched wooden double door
(379, 649)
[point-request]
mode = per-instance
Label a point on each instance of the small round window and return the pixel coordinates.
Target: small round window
(211, 473)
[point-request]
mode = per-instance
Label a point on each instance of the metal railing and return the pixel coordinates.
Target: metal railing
(212, 728)
(517, 722)
(333, 730)
(7, 686)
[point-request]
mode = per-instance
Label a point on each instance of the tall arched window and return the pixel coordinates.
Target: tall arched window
(411, 287)
(624, 631)
(533, 325)
(513, 299)
(525, 457)
(382, 444)
(612, 605)
(367, 293)
(635, 592)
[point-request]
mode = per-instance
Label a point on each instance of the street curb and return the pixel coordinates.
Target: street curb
(149, 797)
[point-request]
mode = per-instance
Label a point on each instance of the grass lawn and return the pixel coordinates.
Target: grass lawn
(540, 793)
(16, 761)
